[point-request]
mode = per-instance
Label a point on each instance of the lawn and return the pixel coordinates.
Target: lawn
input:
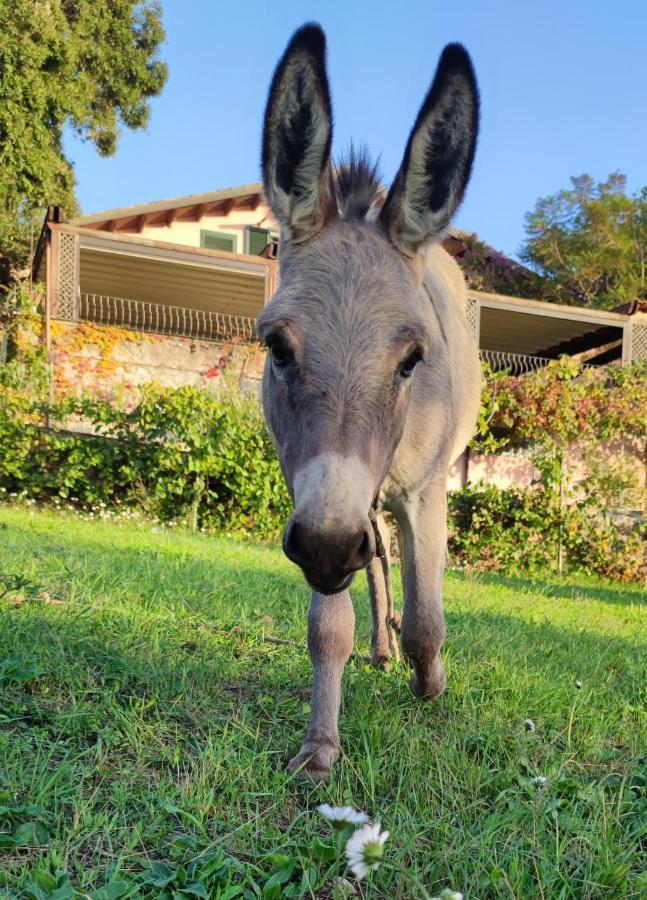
(145, 722)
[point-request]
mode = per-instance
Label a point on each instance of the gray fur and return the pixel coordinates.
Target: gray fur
(354, 303)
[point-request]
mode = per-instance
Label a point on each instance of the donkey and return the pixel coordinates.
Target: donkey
(372, 380)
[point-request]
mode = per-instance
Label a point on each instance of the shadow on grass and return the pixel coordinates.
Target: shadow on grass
(194, 676)
(560, 589)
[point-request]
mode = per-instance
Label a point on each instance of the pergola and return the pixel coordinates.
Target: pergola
(535, 329)
(123, 279)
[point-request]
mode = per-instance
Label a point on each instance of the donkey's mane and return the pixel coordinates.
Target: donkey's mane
(358, 184)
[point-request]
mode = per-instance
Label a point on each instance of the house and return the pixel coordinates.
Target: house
(203, 266)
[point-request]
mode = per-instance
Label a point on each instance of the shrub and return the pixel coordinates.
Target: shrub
(179, 453)
(524, 528)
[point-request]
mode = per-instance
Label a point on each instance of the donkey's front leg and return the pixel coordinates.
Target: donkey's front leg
(331, 625)
(424, 533)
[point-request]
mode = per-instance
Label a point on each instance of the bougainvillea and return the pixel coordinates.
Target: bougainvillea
(563, 402)
(487, 270)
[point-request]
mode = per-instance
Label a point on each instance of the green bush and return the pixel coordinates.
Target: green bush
(524, 528)
(180, 454)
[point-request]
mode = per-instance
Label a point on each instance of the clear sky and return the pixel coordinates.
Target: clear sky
(563, 89)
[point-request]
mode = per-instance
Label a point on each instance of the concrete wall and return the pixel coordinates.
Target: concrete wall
(516, 469)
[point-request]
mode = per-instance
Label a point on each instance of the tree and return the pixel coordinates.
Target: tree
(590, 243)
(88, 65)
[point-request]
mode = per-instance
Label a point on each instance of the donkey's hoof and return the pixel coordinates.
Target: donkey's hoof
(382, 661)
(313, 763)
(396, 621)
(431, 685)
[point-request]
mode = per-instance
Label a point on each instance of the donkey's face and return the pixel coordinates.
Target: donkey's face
(349, 324)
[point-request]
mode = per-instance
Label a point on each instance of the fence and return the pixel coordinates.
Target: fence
(157, 318)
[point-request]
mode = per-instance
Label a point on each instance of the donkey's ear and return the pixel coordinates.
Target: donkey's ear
(297, 135)
(438, 159)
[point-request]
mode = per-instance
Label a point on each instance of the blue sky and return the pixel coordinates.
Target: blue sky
(563, 88)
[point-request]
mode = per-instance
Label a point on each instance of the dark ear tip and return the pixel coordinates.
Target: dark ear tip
(455, 56)
(310, 37)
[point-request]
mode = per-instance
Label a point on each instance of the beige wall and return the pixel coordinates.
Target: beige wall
(235, 223)
(504, 470)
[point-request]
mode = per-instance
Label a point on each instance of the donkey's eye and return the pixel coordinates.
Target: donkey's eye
(409, 364)
(282, 354)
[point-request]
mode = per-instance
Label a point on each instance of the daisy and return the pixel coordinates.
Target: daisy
(530, 726)
(449, 894)
(341, 817)
(538, 781)
(365, 848)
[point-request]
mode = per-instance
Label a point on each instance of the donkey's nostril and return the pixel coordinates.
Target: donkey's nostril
(293, 543)
(328, 557)
(364, 550)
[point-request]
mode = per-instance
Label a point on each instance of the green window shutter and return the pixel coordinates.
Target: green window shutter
(256, 239)
(217, 240)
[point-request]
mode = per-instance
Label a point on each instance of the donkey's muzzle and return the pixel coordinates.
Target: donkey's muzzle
(330, 558)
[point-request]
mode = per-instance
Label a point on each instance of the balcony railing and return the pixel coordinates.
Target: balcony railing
(156, 318)
(514, 363)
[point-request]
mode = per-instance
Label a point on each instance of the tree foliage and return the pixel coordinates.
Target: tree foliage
(88, 65)
(590, 242)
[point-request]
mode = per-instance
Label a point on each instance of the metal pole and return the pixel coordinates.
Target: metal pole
(48, 326)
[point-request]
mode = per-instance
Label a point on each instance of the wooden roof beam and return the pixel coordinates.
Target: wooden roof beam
(586, 355)
(198, 212)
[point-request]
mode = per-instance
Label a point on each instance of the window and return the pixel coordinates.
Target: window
(218, 240)
(256, 240)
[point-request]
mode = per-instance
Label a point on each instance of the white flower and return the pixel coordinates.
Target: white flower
(449, 894)
(538, 781)
(578, 684)
(365, 848)
(342, 816)
(530, 726)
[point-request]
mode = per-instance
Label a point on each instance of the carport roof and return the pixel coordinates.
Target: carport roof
(132, 267)
(536, 328)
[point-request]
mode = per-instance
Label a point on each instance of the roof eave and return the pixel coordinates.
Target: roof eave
(127, 212)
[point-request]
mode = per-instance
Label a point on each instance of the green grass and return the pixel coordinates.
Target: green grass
(145, 717)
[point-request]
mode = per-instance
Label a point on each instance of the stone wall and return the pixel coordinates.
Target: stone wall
(115, 362)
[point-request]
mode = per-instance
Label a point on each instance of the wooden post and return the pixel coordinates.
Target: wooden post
(271, 280)
(465, 466)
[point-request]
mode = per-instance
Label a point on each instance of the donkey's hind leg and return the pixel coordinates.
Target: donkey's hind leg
(384, 641)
